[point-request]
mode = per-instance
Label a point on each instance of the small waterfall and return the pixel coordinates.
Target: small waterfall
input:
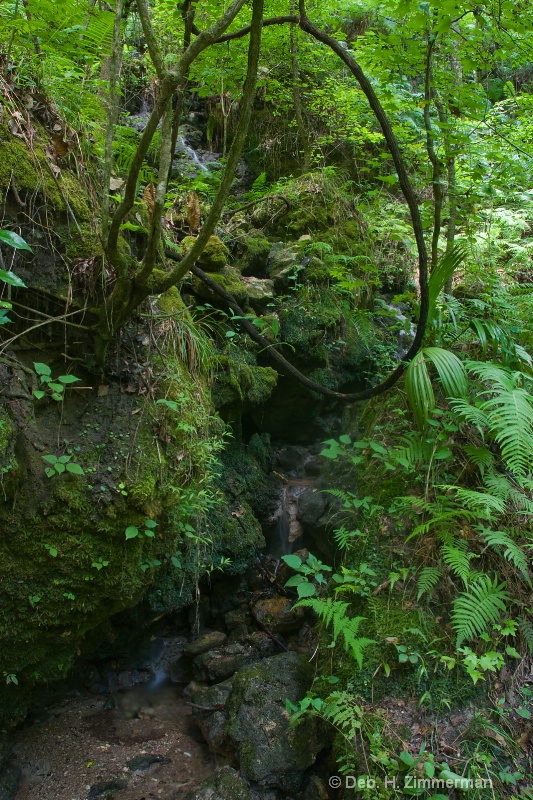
(283, 527)
(188, 151)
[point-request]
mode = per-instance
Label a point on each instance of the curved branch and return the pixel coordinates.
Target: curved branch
(405, 186)
(169, 84)
(227, 37)
(149, 37)
(215, 213)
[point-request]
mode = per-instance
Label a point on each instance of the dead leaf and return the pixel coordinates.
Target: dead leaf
(149, 197)
(14, 128)
(193, 212)
(115, 184)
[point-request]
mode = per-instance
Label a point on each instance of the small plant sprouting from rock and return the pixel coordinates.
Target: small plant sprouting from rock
(60, 464)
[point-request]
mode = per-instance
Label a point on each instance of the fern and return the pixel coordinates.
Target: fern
(342, 711)
(512, 552)
(477, 607)
(333, 613)
(458, 559)
(344, 537)
(427, 580)
(480, 456)
(526, 629)
(418, 385)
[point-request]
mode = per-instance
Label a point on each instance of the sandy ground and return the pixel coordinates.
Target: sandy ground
(82, 746)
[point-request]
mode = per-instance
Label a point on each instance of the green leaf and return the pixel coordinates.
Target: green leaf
(306, 590)
(75, 469)
(59, 468)
(175, 562)
(296, 580)
(64, 459)
(41, 369)
(38, 394)
(49, 472)
(57, 387)
(407, 758)
(51, 459)
(68, 379)
(132, 532)
(14, 240)
(12, 279)
(292, 561)
(149, 523)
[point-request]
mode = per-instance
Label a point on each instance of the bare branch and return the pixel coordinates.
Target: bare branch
(234, 155)
(149, 36)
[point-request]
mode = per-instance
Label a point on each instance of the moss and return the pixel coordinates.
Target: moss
(170, 302)
(229, 279)
(215, 254)
(255, 248)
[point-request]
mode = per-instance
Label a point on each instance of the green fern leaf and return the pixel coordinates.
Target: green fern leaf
(512, 552)
(458, 559)
(478, 607)
(427, 580)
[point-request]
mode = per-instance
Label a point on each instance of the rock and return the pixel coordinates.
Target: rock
(281, 265)
(9, 781)
(208, 711)
(292, 458)
(105, 789)
(208, 641)
(270, 752)
(256, 248)
(228, 278)
(143, 762)
(217, 665)
(315, 789)
(277, 614)
(224, 784)
(240, 618)
(260, 292)
(311, 506)
(215, 255)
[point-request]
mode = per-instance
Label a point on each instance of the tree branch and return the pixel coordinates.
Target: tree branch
(215, 213)
(438, 192)
(228, 37)
(406, 188)
(149, 37)
(169, 84)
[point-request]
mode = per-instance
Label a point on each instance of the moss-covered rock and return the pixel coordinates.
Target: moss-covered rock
(254, 248)
(270, 752)
(229, 279)
(225, 783)
(215, 255)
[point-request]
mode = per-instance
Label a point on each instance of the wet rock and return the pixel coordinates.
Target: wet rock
(208, 711)
(240, 617)
(224, 784)
(143, 762)
(207, 641)
(292, 458)
(277, 614)
(217, 665)
(270, 752)
(106, 789)
(260, 292)
(311, 506)
(281, 265)
(315, 789)
(9, 781)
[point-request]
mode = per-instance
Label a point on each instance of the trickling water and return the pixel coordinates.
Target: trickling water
(191, 153)
(283, 527)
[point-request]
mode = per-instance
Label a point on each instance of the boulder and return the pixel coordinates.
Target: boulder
(277, 614)
(224, 784)
(215, 255)
(208, 711)
(282, 264)
(217, 665)
(207, 641)
(260, 292)
(270, 752)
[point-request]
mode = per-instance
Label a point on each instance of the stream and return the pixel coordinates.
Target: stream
(153, 722)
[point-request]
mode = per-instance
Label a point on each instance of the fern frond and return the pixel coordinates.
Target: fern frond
(510, 416)
(478, 607)
(526, 629)
(469, 413)
(483, 502)
(480, 456)
(458, 559)
(452, 375)
(333, 613)
(427, 580)
(342, 711)
(512, 552)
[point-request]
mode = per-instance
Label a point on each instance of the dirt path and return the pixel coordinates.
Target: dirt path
(146, 747)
